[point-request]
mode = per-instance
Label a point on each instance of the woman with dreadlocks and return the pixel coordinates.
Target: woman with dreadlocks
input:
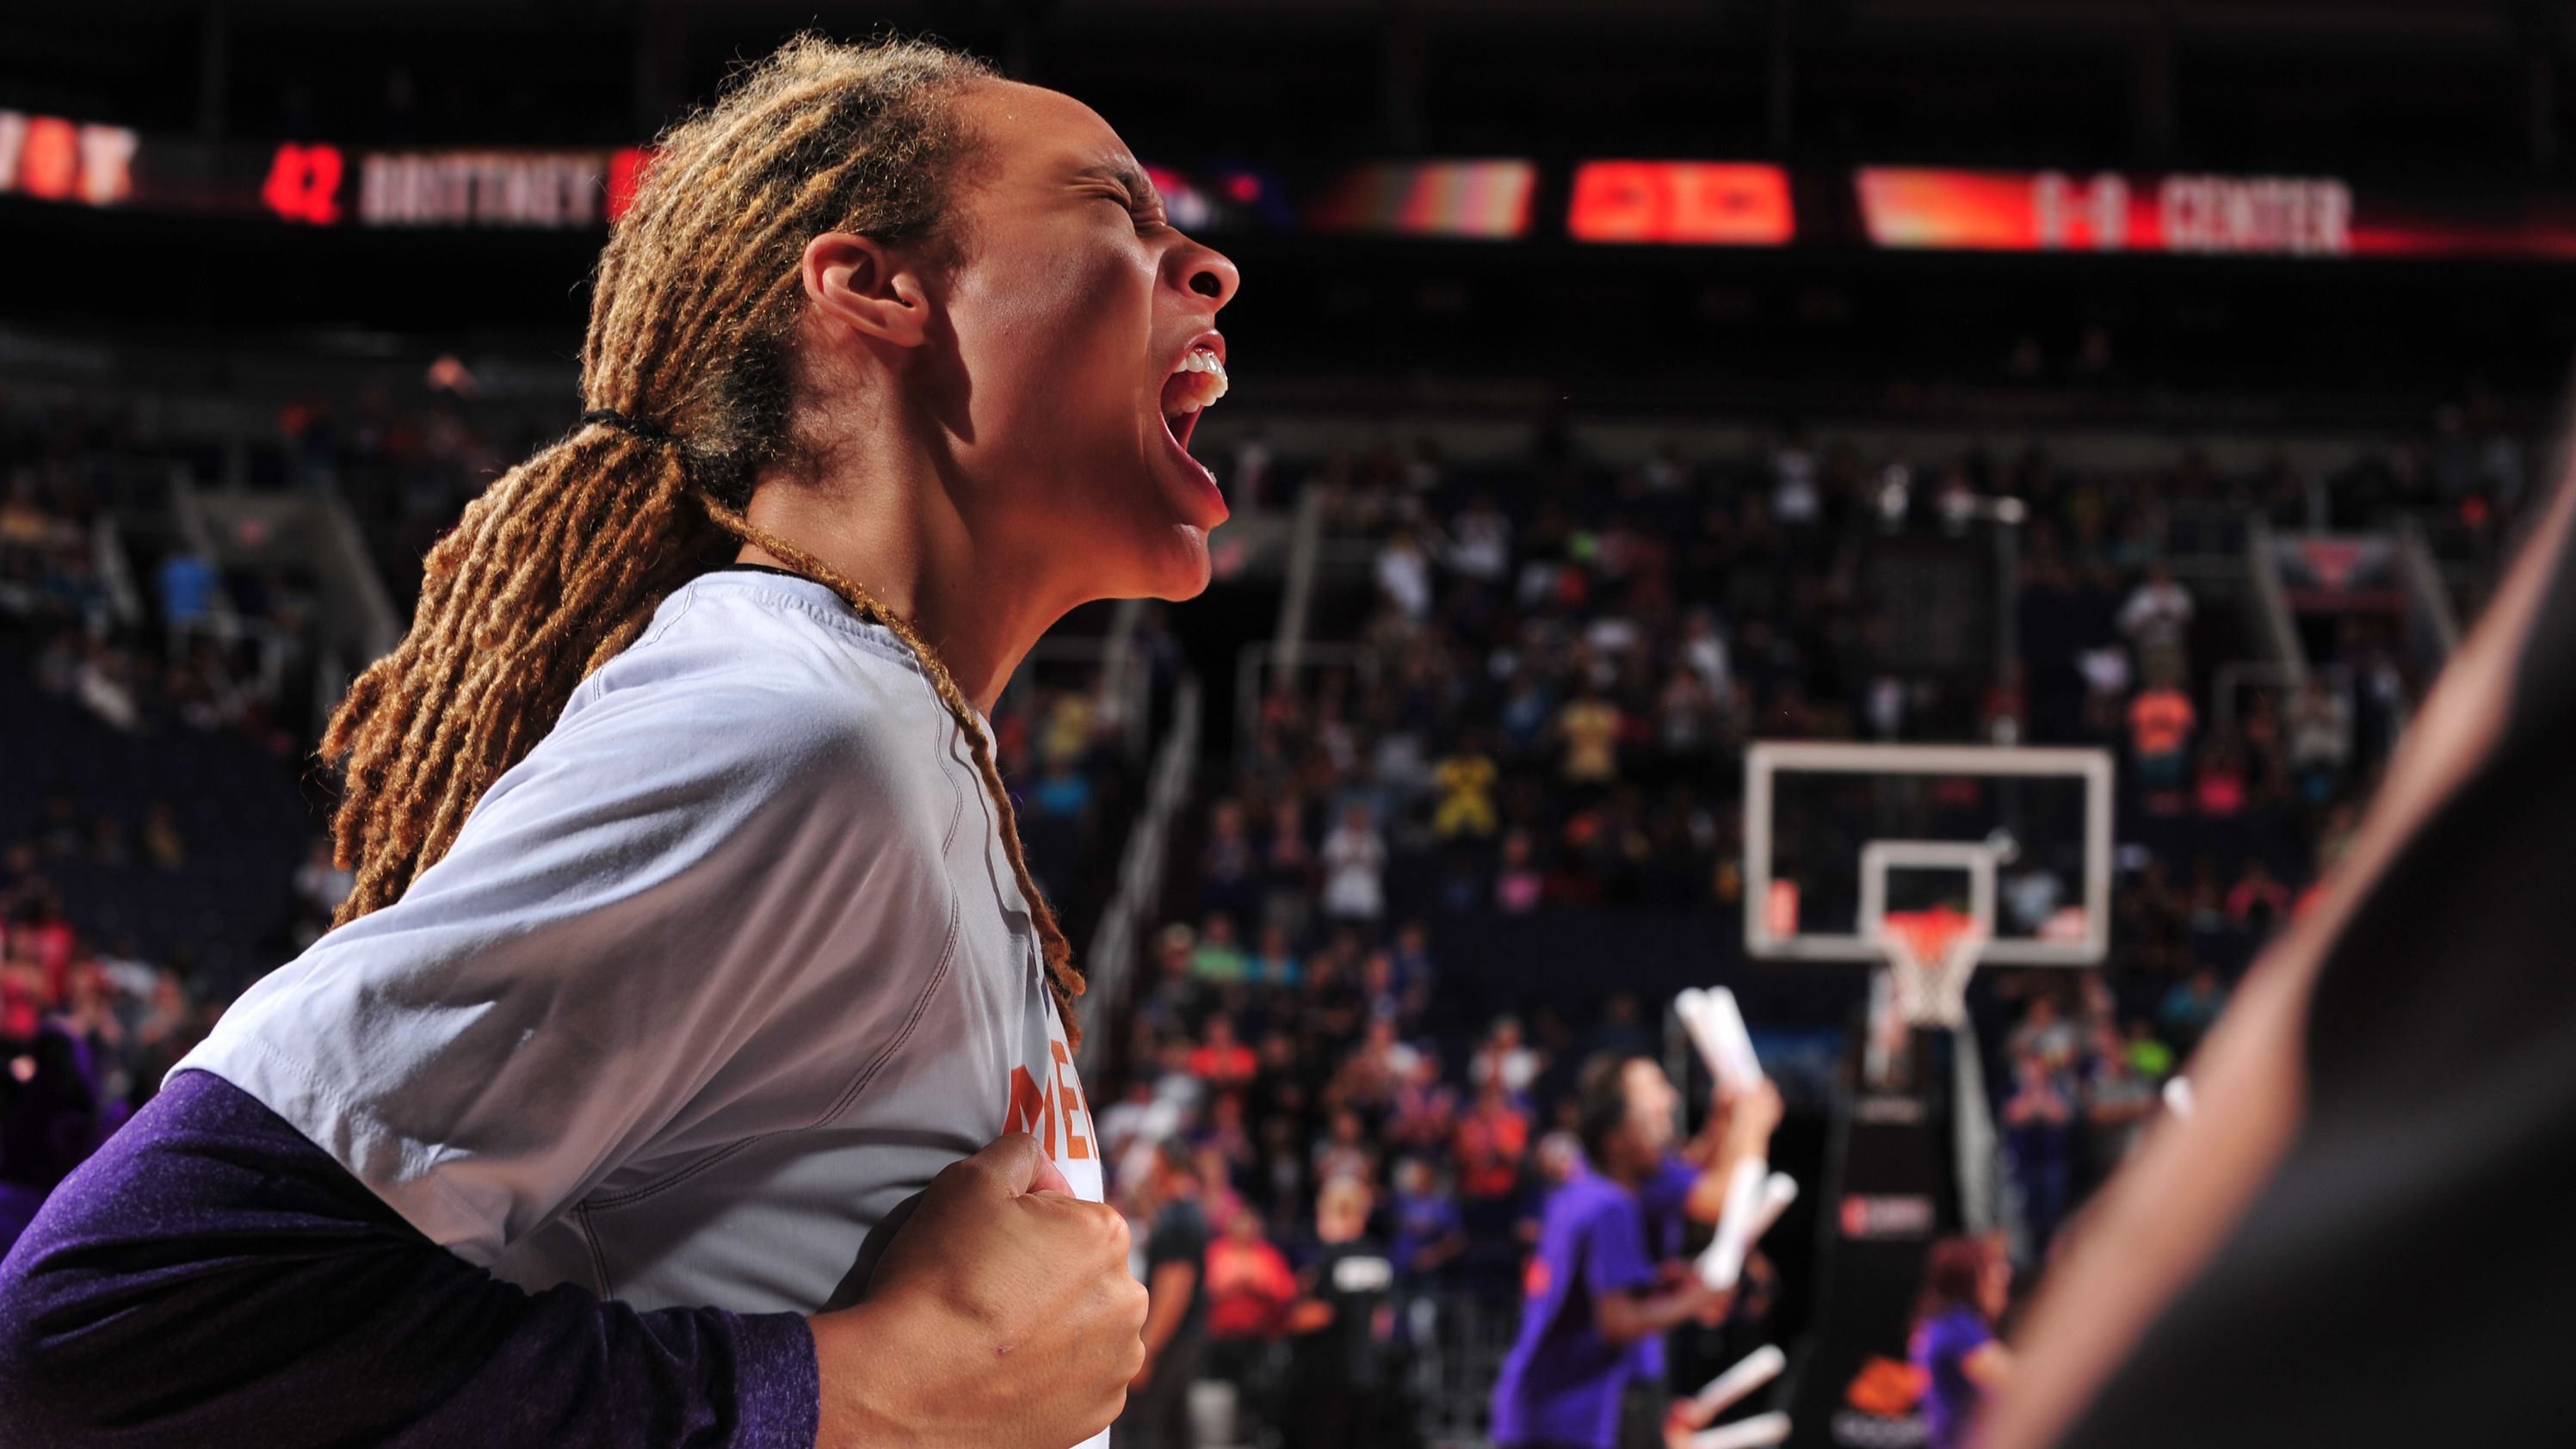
(692, 1062)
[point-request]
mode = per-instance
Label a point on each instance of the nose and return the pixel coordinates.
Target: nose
(1205, 271)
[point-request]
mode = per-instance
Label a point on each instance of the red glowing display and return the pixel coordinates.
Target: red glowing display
(1705, 203)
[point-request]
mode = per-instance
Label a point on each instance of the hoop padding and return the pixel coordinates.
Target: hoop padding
(1930, 956)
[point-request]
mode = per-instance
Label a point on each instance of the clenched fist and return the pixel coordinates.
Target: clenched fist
(1002, 1316)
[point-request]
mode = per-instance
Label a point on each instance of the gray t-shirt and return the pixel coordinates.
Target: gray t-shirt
(712, 981)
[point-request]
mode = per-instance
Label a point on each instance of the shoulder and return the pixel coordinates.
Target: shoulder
(1955, 1334)
(1589, 1203)
(757, 685)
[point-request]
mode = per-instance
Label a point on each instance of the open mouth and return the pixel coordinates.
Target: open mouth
(1198, 380)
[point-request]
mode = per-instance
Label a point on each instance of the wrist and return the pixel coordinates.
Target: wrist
(870, 1380)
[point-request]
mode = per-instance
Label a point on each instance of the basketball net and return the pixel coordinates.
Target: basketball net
(1930, 956)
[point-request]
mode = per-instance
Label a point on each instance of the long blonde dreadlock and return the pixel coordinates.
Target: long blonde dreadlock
(563, 560)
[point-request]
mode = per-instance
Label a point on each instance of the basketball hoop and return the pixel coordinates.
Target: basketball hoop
(1930, 956)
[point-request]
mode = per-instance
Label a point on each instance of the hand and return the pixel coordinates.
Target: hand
(1002, 1316)
(1714, 1305)
(1684, 1419)
(1751, 1117)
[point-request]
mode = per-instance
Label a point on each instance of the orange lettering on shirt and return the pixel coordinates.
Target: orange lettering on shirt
(1032, 1108)
(1076, 1145)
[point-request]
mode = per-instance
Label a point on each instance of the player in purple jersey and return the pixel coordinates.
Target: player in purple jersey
(1605, 1283)
(1965, 1287)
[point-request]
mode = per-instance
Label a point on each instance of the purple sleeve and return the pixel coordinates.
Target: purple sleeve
(1612, 1240)
(1665, 1193)
(211, 1277)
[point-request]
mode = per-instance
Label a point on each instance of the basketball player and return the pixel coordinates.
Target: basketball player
(1598, 1302)
(1967, 1284)
(2358, 1236)
(691, 937)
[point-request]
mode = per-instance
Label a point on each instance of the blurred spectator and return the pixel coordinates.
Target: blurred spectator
(1492, 1138)
(2157, 620)
(162, 842)
(1216, 957)
(1249, 1288)
(2161, 720)
(1505, 1060)
(1157, 1413)
(2320, 737)
(2044, 1035)
(2038, 1122)
(1221, 1061)
(1355, 869)
(1229, 865)
(1429, 1231)
(1346, 1150)
(1466, 803)
(1344, 1368)
(1273, 963)
(2189, 1009)
(2257, 901)
(1589, 726)
(1519, 885)
(2118, 1104)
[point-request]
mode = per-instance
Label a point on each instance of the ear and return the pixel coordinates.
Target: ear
(861, 283)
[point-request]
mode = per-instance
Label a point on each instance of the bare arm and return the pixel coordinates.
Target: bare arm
(1737, 1129)
(1627, 1316)
(1988, 1366)
(1167, 1302)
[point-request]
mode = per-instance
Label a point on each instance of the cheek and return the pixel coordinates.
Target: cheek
(1061, 346)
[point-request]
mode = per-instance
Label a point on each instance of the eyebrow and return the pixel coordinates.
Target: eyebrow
(1140, 187)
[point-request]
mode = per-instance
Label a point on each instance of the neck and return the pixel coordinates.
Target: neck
(1627, 1174)
(890, 519)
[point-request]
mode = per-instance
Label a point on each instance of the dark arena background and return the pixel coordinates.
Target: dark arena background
(2110, 412)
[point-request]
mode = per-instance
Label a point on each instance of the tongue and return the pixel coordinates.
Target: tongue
(1174, 388)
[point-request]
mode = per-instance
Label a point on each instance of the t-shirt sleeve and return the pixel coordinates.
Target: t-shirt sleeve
(1179, 1237)
(1665, 1193)
(1613, 1243)
(1949, 1339)
(673, 873)
(211, 1277)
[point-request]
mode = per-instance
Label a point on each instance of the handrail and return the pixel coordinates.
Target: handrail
(1296, 598)
(2425, 581)
(2271, 603)
(1140, 874)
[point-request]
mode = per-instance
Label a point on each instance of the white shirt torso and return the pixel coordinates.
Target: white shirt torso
(720, 974)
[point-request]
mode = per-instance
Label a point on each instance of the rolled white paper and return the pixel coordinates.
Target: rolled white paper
(1722, 1262)
(1716, 1027)
(1751, 1433)
(1734, 1042)
(1754, 1370)
(2178, 1098)
(1687, 1006)
(1778, 1191)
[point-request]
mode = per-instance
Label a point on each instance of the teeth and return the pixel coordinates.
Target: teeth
(1200, 360)
(1206, 383)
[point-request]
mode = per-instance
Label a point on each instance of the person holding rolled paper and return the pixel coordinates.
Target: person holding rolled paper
(1604, 1286)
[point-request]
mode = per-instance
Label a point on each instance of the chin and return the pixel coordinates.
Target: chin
(1180, 569)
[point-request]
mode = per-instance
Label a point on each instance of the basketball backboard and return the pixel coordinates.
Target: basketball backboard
(1838, 835)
